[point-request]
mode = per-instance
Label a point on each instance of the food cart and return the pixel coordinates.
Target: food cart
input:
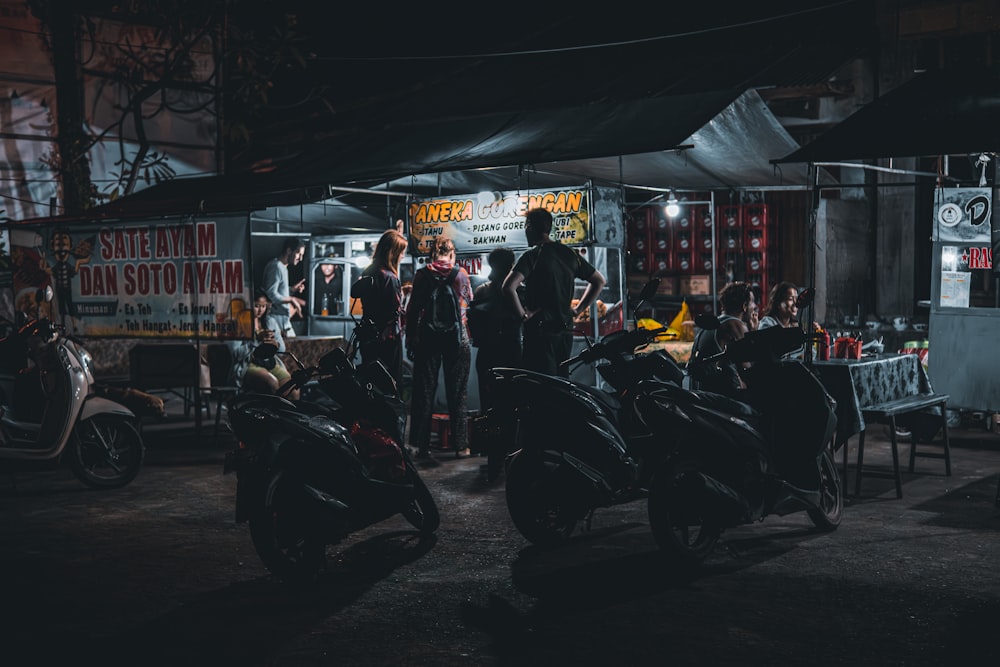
(587, 217)
(964, 306)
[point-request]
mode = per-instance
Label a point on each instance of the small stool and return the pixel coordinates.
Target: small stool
(440, 426)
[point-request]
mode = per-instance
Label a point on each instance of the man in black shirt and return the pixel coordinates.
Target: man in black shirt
(548, 272)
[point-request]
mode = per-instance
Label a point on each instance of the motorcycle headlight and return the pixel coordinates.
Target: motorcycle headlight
(326, 426)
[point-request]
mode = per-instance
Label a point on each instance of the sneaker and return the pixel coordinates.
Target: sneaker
(423, 454)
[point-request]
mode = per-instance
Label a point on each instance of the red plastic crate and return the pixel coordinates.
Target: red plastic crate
(701, 217)
(639, 262)
(729, 217)
(639, 233)
(755, 216)
(756, 263)
(683, 220)
(755, 239)
(684, 261)
(662, 261)
(706, 262)
(683, 241)
(730, 240)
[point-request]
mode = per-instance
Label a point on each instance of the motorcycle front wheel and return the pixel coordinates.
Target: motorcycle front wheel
(422, 512)
(831, 502)
(106, 452)
(681, 531)
(285, 532)
(539, 498)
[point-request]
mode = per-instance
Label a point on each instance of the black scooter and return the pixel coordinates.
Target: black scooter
(734, 462)
(309, 474)
(575, 448)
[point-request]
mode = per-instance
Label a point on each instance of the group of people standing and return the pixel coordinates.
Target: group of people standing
(530, 316)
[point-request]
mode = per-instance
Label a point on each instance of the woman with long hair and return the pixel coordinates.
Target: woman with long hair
(782, 310)
(382, 305)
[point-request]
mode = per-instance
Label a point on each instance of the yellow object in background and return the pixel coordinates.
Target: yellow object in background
(683, 323)
(651, 324)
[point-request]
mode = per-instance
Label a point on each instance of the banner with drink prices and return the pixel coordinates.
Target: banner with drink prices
(185, 278)
(477, 223)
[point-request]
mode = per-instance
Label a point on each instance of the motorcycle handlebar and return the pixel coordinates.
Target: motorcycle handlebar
(610, 349)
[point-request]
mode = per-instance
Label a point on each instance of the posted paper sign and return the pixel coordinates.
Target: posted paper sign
(955, 289)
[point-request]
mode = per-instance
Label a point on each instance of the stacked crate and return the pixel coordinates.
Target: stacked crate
(743, 248)
(758, 248)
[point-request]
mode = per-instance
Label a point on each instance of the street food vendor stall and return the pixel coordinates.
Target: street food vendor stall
(965, 304)
(587, 218)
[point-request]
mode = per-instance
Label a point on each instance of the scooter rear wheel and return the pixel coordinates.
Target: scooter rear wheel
(680, 529)
(285, 532)
(831, 503)
(106, 452)
(422, 512)
(539, 499)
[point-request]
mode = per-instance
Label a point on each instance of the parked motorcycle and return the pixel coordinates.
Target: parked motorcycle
(576, 448)
(310, 473)
(49, 411)
(734, 462)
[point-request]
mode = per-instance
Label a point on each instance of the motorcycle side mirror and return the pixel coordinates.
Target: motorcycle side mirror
(706, 321)
(263, 352)
(334, 361)
(647, 292)
(649, 289)
(806, 297)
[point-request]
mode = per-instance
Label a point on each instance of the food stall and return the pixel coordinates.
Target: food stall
(588, 218)
(965, 302)
(156, 284)
(332, 265)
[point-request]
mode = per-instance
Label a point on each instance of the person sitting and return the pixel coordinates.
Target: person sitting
(783, 311)
(267, 376)
(739, 308)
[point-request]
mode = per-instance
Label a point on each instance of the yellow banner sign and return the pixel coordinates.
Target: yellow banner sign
(478, 223)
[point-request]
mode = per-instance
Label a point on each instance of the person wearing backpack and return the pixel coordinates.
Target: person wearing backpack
(436, 335)
(548, 271)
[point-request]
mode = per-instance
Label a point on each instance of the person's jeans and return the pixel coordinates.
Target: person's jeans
(285, 324)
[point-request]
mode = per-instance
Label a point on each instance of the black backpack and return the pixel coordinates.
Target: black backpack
(441, 312)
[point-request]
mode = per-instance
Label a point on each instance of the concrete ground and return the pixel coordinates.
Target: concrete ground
(158, 573)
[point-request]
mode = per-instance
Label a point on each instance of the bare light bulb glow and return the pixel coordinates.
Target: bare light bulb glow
(672, 208)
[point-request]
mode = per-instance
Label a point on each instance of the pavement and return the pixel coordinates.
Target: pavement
(158, 573)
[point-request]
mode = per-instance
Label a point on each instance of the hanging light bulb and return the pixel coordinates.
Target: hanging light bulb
(672, 208)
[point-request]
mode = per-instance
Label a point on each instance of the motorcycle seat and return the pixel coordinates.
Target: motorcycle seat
(729, 405)
(707, 399)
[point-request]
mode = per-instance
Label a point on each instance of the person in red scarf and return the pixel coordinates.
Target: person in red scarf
(431, 342)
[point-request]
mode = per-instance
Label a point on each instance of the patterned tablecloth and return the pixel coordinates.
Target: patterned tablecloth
(859, 383)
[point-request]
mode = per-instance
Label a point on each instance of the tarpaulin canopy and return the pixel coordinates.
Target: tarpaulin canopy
(659, 98)
(708, 141)
(944, 112)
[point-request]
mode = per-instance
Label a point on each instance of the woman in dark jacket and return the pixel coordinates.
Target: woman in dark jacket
(381, 305)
